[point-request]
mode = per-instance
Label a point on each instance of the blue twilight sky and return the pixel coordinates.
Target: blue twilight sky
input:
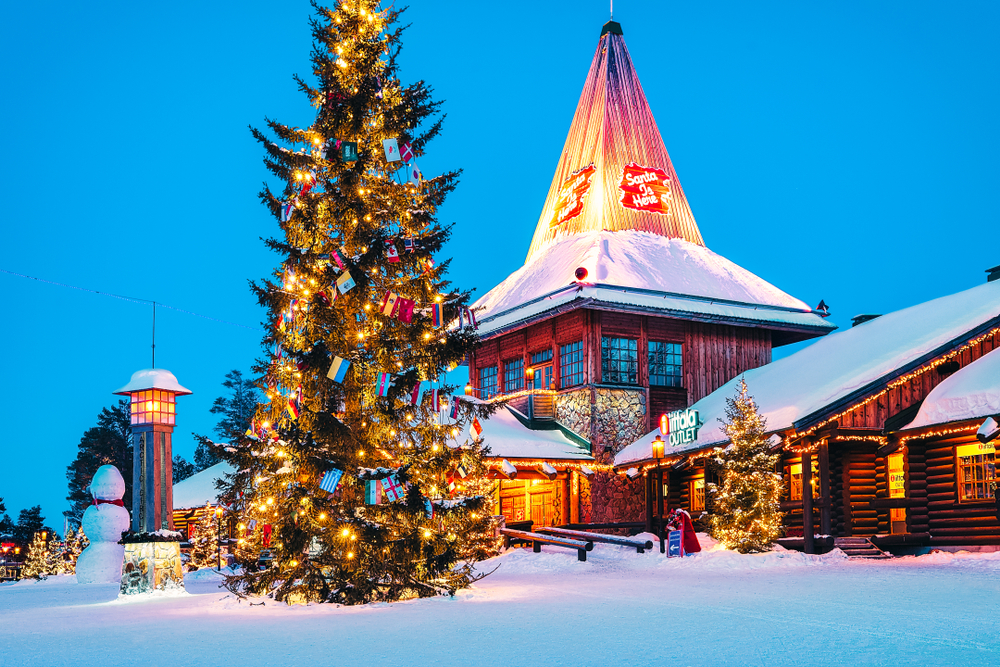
(842, 151)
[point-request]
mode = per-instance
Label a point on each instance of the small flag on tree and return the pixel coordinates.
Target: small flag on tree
(415, 394)
(436, 315)
(409, 245)
(413, 174)
(454, 407)
(383, 384)
(373, 492)
(338, 371)
(462, 471)
(286, 211)
(391, 150)
(391, 253)
(330, 480)
(345, 283)
(392, 490)
(404, 310)
(388, 306)
(451, 485)
(406, 152)
(293, 408)
(475, 430)
(335, 256)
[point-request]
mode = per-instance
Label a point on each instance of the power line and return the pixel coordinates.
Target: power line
(131, 299)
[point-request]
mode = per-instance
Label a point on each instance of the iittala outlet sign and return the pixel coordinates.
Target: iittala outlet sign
(645, 189)
(571, 195)
(684, 425)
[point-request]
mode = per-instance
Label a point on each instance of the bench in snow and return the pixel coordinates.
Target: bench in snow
(581, 546)
(640, 545)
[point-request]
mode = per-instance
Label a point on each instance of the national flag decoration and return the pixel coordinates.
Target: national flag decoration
(251, 525)
(409, 245)
(391, 254)
(383, 383)
(435, 399)
(392, 490)
(462, 471)
(330, 480)
(286, 211)
(406, 152)
(451, 485)
(308, 183)
(251, 432)
(293, 408)
(416, 393)
(338, 371)
(455, 402)
(413, 174)
(436, 315)
(475, 430)
(373, 492)
(335, 257)
(324, 298)
(345, 283)
(404, 309)
(391, 150)
(472, 318)
(388, 305)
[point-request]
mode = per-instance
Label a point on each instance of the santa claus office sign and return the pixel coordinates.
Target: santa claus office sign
(571, 195)
(645, 189)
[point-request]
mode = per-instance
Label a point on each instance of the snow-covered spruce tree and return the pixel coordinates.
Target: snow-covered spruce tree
(355, 314)
(205, 543)
(746, 515)
(39, 561)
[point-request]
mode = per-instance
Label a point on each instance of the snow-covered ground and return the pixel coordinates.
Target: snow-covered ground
(618, 608)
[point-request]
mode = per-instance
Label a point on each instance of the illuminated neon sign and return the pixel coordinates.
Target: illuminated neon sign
(571, 195)
(645, 189)
(684, 425)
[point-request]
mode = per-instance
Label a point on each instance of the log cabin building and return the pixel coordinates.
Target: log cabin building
(620, 312)
(880, 422)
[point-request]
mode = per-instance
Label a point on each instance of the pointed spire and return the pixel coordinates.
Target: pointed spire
(614, 173)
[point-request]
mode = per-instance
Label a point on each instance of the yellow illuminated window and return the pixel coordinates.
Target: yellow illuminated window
(976, 471)
(697, 494)
(795, 488)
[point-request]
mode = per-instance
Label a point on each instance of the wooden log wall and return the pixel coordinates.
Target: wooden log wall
(874, 413)
(861, 482)
(882, 491)
(951, 522)
(915, 465)
(837, 515)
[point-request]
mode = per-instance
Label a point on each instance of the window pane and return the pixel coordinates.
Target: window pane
(541, 357)
(665, 364)
(513, 375)
(619, 360)
(487, 382)
(571, 364)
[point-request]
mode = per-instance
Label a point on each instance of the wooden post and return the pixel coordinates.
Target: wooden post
(824, 486)
(659, 506)
(574, 497)
(649, 502)
(807, 501)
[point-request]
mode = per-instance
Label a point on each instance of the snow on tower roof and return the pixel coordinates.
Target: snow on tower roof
(645, 270)
(828, 375)
(199, 489)
(614, 137)
(153, 378)
(971, 393)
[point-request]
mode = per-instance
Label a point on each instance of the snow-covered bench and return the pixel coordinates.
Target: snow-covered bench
(537, 540)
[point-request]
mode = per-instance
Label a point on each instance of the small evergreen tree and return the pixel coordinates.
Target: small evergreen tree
(75, 542)
(746, 514)
(6, 524)
(182, 468)
(30, 522)
(237, 410)
(39, 563)
(205, 543)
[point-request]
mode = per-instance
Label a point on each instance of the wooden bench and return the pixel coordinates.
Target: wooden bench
(639, 545)
(537, 540)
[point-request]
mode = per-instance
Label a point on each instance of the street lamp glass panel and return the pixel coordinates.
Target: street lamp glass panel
(153, 406)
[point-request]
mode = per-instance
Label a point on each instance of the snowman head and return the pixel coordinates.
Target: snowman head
(107, 483)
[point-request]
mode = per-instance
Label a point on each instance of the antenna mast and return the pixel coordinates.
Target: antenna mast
(154, 336)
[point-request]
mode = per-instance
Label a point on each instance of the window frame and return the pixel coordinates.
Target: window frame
(694, 494)
(513, 382)
(576, 365)
(986, 482)
(679, 354)
(495, 376)
(607, 361)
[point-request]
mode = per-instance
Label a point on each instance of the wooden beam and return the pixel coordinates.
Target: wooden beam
(807, 503)
(824, 487)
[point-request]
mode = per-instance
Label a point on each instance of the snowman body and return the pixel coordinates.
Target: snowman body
(103, 523)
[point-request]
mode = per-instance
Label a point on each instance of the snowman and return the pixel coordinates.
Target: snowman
(103, 523)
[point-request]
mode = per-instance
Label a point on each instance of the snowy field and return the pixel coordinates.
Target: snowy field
(618, 608)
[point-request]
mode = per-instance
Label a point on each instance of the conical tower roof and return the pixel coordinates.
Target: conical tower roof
(614, 173)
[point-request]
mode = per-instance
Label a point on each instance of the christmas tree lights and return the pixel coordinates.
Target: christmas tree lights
(344, 475)
(746, 515)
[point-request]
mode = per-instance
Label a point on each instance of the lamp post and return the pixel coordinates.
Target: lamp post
(530, 375)
(218, 539)
(153, 394)
(468, 388)
(658, 495)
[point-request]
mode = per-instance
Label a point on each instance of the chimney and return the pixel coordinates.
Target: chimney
(993, 274)
(861, 319)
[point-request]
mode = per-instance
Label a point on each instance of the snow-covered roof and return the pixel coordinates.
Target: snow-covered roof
(153, 378)
(645, 270)
(509, 437)
(797, 390)
(971, 393)
(199, 489)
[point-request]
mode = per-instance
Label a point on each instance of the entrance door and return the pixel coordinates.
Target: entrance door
(897, 489)
(543, 377)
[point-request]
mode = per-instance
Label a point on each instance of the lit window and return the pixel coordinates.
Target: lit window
(571, 364)
(541, 362)
(795, 488)
(976, 471)
(666, 366)
(619, 360)
(513, 375)
(697, 500)
(487, 382)
(152, 406)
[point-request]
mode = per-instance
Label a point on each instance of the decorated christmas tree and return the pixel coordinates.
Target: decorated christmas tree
(39, 562)
(205, 543)
(75, 542)
(345, 469)
(746, 515)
